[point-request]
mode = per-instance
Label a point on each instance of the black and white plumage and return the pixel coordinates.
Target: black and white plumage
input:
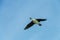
(34, 21)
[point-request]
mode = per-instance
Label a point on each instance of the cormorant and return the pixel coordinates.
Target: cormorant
(34, 21)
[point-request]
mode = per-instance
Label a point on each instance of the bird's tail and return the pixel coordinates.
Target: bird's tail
(40, 24)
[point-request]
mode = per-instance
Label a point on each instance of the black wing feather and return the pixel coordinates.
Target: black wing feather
(29, 25)
(41, 20)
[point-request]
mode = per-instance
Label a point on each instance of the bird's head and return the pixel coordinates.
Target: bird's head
(30, 18)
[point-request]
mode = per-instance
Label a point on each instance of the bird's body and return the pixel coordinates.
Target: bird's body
(34, 21)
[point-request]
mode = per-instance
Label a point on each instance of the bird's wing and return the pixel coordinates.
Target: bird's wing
(29, 25)
(41, 20)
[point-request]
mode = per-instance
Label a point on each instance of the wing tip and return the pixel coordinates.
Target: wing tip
(45, 19)
(25, 28)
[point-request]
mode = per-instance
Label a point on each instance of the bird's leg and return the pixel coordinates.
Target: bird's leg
(40, 24)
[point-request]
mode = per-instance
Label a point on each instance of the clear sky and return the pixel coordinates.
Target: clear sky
(14, 16)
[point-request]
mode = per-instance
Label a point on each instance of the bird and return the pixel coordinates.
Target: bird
(34, 21)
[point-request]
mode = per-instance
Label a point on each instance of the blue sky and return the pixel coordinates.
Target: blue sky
(14, 16)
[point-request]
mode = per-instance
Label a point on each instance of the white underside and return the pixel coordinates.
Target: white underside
(35, 21)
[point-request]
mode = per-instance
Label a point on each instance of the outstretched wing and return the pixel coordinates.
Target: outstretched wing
(41, 20)
(29, 25)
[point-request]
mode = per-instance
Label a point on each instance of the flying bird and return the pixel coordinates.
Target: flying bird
(34, 21)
